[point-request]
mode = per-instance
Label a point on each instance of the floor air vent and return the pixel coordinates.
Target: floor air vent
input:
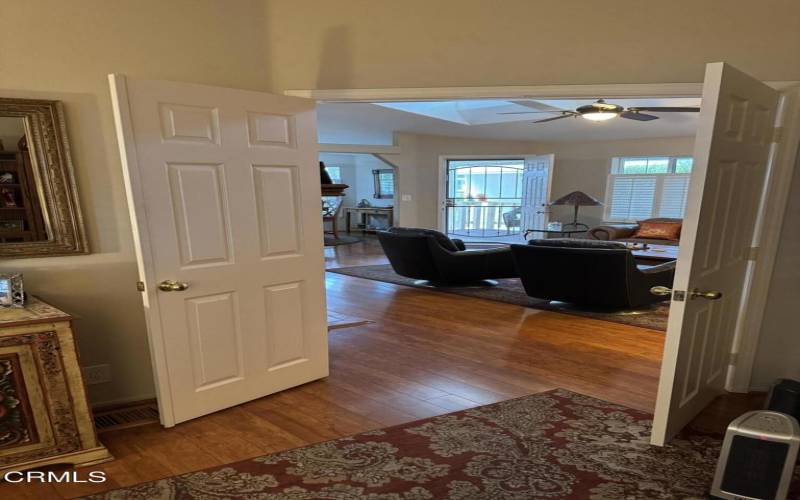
(123, 417)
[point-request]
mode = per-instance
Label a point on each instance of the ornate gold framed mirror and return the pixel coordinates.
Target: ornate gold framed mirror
(39, 211)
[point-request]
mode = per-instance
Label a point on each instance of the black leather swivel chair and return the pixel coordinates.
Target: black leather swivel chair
(424, 254)
(588, 273)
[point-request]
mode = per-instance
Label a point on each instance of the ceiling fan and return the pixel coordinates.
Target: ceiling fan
(600, 110)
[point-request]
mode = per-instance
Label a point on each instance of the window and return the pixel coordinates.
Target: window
(384, 183)
(643, 187)
(335, 173)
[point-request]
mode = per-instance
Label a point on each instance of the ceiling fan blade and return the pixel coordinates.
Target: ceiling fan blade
(565, 115)
(536, 105)
(668, 109)
(529, 112)
(635, 115)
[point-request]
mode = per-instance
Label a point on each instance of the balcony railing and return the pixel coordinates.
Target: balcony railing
(484, 219)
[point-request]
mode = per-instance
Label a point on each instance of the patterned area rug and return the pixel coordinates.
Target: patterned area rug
(556, 445)
(512, 292)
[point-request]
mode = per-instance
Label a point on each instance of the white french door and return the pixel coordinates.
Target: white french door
(731, 155)
(536, 182)
(487, 198)
(224, 191)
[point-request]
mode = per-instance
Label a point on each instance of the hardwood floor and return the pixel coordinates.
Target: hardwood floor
(365, 253)
(425, 354)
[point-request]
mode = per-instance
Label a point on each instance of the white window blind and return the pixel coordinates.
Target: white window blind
(632, 197)
(674, 191)
(643, 187)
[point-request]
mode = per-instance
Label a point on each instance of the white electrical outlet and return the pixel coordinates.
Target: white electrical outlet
(96, 374)
(406, 197)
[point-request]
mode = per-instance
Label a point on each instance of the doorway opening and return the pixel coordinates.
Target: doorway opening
(368, 202)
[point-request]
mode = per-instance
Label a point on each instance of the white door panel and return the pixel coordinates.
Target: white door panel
(225, 188)
(730, 162)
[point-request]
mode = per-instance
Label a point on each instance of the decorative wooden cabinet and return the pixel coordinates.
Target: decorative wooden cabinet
(44, 415)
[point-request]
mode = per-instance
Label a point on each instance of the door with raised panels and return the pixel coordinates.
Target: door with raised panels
(732, 149)
(224, 191)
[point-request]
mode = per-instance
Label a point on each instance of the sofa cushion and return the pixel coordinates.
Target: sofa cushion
(576, 243)
(658, 230)
(440, 238)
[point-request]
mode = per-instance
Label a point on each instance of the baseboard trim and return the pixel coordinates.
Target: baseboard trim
(103, 405)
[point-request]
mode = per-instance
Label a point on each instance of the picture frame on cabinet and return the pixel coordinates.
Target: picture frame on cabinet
(12, 293)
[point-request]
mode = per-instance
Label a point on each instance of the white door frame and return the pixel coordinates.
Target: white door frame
(752, 309)
(617, 90)
(765, 245)
(442, 179)
(144, 251)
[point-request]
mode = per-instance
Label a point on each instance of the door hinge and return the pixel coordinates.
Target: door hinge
(777, 134)
(140, 286)
(752, 253)
(679, 295)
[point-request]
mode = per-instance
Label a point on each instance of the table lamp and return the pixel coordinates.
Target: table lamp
(577, 199)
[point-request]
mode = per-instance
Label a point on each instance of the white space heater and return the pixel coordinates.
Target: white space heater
(758, 457)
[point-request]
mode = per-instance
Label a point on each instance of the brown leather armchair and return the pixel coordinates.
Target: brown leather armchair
(625, 232)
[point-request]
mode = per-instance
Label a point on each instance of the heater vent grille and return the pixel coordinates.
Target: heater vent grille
(126, 416)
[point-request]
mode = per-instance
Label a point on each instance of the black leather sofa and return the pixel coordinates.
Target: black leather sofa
(424, 254)
(588, 273)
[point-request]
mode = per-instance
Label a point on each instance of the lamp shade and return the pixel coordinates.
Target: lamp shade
(577, 199)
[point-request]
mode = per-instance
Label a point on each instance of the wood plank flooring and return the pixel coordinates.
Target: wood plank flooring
(425, 354)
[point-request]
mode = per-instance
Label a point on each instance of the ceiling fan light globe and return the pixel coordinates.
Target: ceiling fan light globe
(599, 116)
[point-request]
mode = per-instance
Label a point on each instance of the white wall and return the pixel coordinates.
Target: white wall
(580, 166)
(778, 354)
(443, 43)
(53, 49)
(365, 182)
(418, 171)
(585, 166)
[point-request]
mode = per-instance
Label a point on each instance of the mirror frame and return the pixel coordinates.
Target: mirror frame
(48, 147)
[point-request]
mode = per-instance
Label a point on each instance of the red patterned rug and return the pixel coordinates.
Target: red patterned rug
(557, 444)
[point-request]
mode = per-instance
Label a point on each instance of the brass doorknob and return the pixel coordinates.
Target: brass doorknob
(662, 291)
(172, 286)
(712, 295)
